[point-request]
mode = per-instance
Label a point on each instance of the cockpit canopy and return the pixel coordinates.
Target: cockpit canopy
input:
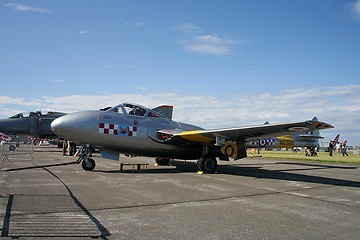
(37, 113)
(132, 109)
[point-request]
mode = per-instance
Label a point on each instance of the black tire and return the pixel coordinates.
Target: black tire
(90, 166)
(207, 164)
(162, 161)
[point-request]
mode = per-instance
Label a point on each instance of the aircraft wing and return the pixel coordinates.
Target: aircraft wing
(243, 134)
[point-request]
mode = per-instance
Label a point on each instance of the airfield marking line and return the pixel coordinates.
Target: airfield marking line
(6, 223)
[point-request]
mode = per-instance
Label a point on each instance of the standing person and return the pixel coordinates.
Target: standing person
(331, 148)
(72, 148)
(64, 148)
(344, 149)
(68, 148)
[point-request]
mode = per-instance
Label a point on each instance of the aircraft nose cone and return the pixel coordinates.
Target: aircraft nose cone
(63, 126)
(58, 125)
(75, 126)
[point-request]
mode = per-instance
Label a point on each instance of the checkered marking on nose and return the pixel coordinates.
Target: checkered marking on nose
(132, 131)
(108, 128)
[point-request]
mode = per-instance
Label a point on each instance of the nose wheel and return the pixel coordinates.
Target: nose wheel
(88, 164)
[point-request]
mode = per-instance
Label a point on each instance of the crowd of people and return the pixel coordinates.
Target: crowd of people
(341, 148)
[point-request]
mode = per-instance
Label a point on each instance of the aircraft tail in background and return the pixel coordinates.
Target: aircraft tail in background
(336, 140)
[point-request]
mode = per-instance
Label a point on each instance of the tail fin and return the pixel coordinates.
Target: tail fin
(165, 110)
(336, 139)
(316, 133)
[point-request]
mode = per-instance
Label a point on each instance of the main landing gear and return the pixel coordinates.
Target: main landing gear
(207, 164)
(88, 164)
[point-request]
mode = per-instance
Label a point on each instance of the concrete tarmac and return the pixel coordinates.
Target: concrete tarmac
(51, 196)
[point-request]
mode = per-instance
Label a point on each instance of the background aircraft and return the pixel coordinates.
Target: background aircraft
(34, 124)
(336, 140)
(307, 139)
(135, 130)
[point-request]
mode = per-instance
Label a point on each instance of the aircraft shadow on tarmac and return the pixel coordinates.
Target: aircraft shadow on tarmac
(97, 231)
(255, 171)
(38, 166)
(249, 170)
(286, 174)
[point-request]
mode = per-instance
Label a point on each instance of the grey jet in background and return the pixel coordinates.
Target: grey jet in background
(33, 124)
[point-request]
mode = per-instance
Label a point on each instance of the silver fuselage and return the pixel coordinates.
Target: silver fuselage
(127, 134)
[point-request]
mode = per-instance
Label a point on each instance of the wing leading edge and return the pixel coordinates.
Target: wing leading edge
(251, 133)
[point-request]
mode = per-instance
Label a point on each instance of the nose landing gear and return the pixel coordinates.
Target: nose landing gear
(88, 164)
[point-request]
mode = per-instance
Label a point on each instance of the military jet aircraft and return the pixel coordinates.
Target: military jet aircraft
(136, 130)
(34, 124)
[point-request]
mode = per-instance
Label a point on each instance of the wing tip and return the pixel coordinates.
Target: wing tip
(320, 125)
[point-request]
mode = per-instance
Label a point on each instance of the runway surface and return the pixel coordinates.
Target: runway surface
(51, 196)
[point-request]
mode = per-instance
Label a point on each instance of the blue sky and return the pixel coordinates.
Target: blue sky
(220, 63)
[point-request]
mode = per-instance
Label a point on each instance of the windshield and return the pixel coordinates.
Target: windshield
(26, 114)
(134, 110)
(129, 109)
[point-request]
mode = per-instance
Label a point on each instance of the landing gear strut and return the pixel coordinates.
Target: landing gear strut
(88, 164)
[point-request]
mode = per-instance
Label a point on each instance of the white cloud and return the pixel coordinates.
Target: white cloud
(210, 44)
(26, 8)
(355, 9)
(338, 105)
(188, 28)
(134, 24)
(138, 24)
(56, 81)
(82, 31)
